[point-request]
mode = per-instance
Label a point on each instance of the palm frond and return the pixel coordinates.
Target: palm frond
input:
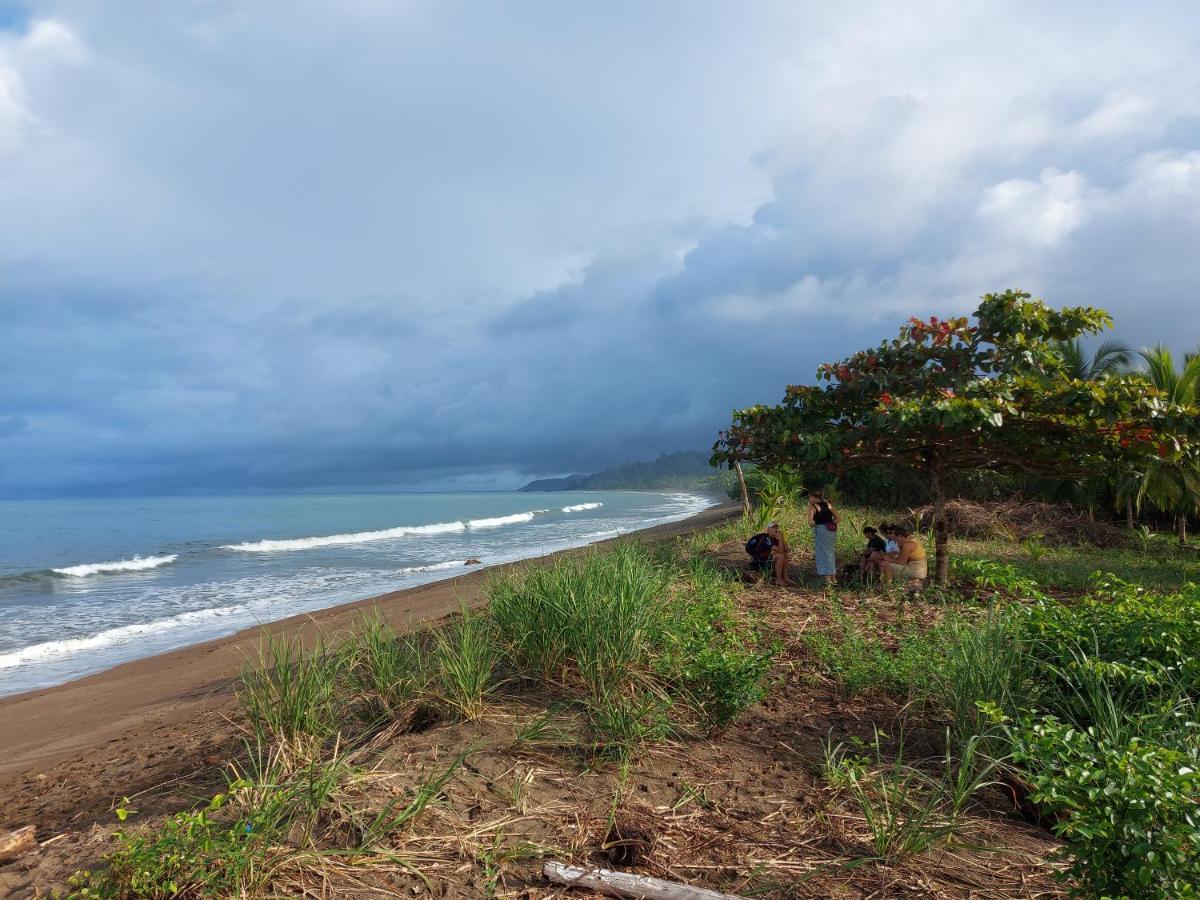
(1110, 357)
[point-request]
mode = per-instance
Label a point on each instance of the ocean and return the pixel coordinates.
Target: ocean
(87, 584)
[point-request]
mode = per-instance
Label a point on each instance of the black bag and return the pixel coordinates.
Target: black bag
(759, 546)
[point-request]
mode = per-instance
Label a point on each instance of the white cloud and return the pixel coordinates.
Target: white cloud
(1042, 212)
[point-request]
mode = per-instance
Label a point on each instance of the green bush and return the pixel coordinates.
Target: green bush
(465, 655)
(633, 622)
(1130, 809)
(719, 661)
(200, 853)
(290, 692)
(390, 672)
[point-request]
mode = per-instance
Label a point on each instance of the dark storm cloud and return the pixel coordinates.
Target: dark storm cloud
(267, 246)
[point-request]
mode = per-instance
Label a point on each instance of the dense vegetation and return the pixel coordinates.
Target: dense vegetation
(1029, 682)
(686, 470)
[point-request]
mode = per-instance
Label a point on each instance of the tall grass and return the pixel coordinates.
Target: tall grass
(587, 620)
(465, 654)
(979, 661)
(390, 672)
(290, 692)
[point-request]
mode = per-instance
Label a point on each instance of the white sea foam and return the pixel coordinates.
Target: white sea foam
(580, 507)
(137, 564)
(36, 653)
(435, 567)
(502, 520)
(333, 540)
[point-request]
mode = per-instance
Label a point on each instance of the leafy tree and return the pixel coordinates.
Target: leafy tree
(947, 397)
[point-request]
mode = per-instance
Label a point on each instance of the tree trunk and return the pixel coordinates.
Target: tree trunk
(737, 467)
(1129, 523)
(1181, 528)
(941, 538)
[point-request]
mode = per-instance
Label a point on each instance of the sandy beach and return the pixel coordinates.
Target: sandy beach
(70, 749)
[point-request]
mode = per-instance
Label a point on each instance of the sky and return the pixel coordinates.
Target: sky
(295, 245)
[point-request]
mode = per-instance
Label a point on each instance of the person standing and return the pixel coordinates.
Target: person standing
(824, 521)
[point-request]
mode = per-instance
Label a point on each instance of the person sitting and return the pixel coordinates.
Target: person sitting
(908, 563)
(769, 552)
(868, 562)
(890, 544)
(759, 547)
(781, 553)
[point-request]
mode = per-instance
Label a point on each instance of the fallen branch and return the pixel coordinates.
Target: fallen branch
(623, 884)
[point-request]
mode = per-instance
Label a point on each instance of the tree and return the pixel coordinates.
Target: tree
(1172, 485)
(1110, 358)
(947, 396)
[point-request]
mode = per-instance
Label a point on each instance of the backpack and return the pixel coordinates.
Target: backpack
(759, 546)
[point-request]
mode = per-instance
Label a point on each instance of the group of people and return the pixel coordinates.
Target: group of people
(892, 553)
(895, 556)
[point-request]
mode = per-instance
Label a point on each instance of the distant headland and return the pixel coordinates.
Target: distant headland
(686, 470)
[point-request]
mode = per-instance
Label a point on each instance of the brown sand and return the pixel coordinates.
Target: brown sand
(167, 704)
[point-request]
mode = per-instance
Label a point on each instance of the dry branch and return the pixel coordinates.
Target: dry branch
(624, 884)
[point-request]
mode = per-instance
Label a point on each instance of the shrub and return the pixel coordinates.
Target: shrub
(717, 660)
(1130, 809)
(858, 659)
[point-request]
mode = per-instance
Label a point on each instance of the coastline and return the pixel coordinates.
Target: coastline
(176, 701)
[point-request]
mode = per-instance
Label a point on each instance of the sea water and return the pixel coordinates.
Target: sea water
(87, 584)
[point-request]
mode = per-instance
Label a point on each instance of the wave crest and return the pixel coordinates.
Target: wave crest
(502, 520)
(580, 507)
(47, 649)
(333, 540)
(137, 564)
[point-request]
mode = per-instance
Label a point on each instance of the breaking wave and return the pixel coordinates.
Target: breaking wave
(435, 567)
(503, 520)
(580, 507)
(48, 649)
(333, 540)
(137, 564)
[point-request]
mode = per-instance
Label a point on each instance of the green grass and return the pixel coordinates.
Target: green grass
(289, 693)
(465, 655)
(390, 673)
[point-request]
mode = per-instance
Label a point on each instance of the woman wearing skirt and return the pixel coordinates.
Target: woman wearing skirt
(824, 520)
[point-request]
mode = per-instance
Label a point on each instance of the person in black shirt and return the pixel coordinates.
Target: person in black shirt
(875, 544)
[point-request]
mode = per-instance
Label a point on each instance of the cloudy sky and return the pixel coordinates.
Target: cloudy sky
(270, 244)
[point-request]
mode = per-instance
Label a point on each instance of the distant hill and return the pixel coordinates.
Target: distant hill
(687, 470)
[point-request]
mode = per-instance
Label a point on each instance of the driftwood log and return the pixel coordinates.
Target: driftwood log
(14, 843)
(623, 884)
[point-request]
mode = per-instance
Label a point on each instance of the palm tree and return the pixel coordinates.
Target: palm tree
(1110, 357)
(1172, 486)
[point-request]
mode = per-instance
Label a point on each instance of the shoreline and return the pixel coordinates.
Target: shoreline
(112, 708)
